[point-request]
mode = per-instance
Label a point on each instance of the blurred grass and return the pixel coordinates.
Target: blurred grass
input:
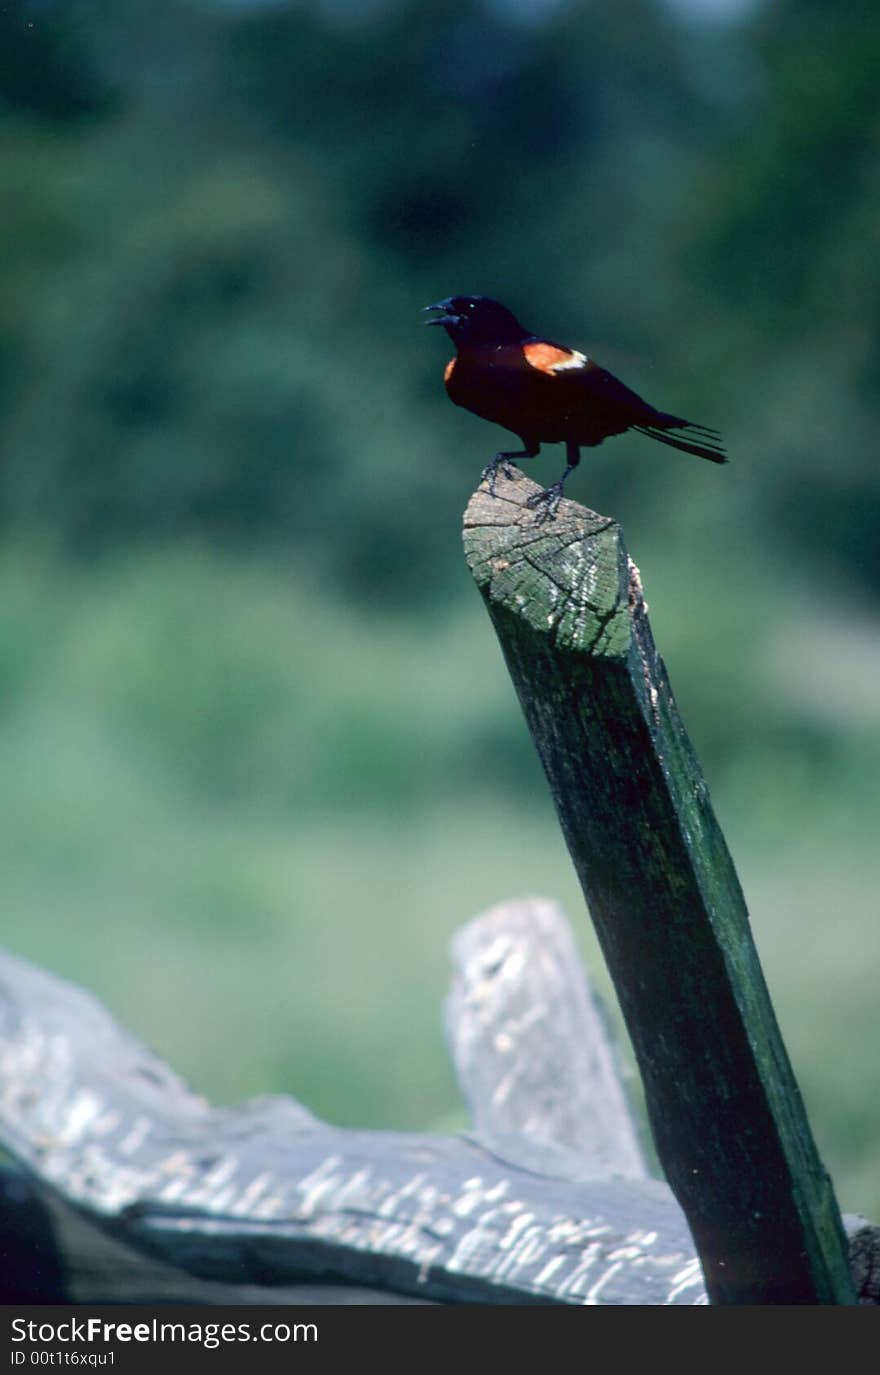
(248, 815)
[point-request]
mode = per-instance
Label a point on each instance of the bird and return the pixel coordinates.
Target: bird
(546, 393)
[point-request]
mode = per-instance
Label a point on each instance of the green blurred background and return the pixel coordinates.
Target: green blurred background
(261, 753)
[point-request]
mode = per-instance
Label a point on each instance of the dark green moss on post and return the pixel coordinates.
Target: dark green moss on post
(727, 1117)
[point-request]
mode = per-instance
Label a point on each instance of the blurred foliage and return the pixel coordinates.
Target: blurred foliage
(211, 283)
(263, 753)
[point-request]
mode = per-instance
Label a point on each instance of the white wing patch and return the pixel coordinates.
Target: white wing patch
(577, 360)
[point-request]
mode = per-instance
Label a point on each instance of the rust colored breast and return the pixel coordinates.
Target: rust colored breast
(450, 369)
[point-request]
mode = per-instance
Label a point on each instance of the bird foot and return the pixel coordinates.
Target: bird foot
(549, 499)
(490, 472)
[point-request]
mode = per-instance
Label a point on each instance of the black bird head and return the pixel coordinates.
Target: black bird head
(476, 320)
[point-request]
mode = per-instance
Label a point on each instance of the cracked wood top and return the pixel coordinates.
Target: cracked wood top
(570, 575)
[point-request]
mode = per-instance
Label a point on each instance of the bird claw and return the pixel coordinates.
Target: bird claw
(490, 472)
(549, 499)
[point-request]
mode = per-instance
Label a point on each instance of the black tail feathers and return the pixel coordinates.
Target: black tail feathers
(692, 439)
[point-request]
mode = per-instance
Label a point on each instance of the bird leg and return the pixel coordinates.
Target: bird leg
(551, 496)
(502, 461)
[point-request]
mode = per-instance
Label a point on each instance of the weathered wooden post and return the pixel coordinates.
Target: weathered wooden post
(725, 1110)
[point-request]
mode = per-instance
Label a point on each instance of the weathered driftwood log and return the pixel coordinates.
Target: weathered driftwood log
(267, 1194)
(51, 1253)
(726, 1113)
(151, 1190)
(530, 1049)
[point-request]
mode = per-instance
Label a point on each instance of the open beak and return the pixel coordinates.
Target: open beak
(444, 318)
